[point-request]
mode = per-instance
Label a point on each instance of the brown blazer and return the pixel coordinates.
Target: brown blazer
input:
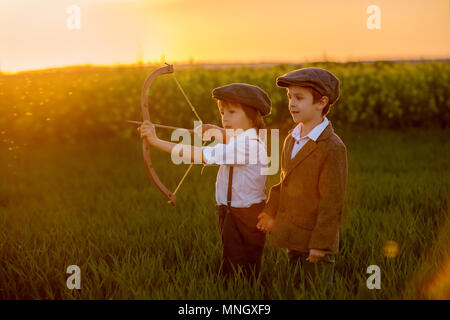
(307, 203)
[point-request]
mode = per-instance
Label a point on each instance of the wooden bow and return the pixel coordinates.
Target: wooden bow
(145, 147)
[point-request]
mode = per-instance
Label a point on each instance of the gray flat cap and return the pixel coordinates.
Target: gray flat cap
(247, 94)
(322, 80)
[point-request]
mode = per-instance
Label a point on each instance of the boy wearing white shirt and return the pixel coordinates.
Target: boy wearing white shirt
(240, 185)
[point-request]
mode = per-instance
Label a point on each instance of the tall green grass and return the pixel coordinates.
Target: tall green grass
(91, 204)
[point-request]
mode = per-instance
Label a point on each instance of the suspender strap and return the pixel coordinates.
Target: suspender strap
(230, 184)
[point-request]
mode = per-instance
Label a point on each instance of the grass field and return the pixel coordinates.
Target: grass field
(91, 204)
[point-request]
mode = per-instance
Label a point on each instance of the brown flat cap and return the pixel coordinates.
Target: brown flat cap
(323, 81)
(247, 94)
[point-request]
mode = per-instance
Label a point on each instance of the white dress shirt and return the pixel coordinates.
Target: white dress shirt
(313, 135)
(248, 155)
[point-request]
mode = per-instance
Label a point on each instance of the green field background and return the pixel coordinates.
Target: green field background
(74, 190)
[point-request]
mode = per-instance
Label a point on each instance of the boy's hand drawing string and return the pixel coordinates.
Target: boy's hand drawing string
(146, 116)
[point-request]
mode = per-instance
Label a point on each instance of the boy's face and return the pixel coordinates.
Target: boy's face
(301, 105)
(234, 117)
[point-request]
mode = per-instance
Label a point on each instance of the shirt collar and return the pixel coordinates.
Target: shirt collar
(313, 134)
(250, 133)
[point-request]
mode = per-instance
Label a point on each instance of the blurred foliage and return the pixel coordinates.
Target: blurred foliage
(84, 102)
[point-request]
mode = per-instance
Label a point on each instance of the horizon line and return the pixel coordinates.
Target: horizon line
(213, 64)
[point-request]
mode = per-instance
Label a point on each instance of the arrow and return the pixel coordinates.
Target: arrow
(161, 126)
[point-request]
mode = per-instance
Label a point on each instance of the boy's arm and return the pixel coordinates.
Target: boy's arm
(273, 200)
(272, 203)
(332, 185)
(209, 131)
(187, 152)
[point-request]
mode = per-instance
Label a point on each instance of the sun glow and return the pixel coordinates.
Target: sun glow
(34, 34)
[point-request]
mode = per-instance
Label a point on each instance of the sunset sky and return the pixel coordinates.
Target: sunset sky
(33, 34)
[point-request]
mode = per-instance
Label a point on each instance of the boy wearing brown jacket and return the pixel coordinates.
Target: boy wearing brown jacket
(303, 211)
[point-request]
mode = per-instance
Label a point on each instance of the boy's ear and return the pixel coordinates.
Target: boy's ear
(323, 102)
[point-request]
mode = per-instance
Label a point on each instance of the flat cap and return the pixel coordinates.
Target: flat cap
(247, 94)
(323, 81)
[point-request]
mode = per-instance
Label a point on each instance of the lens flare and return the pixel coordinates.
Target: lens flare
(439, 286)
(390, 249)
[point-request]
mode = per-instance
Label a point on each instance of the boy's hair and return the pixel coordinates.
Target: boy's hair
(316, 97)
(253, 114)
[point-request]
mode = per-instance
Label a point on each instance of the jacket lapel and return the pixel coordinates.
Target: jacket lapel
(305, 151)
(287, 152)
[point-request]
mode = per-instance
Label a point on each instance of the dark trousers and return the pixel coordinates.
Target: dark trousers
(320, 273)
(242, 242)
